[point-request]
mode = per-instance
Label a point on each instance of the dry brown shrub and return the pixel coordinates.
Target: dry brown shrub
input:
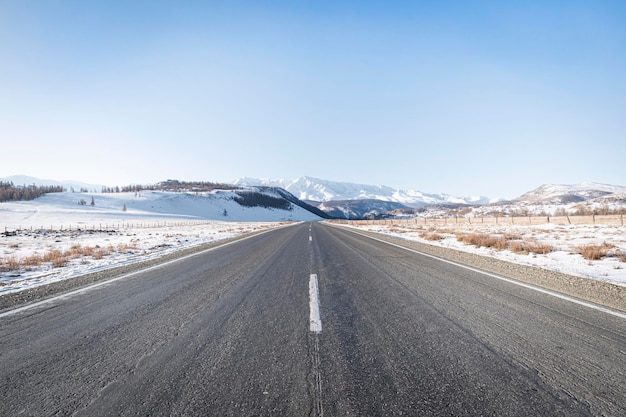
(32, 261)
(530, 246)
(10, 264)
(99, 253)
(483, 239)
(431, 236)
(52, 255)
(60, 261)
(517, 247)
(593, 252)
(538, 247)
(75, 251)
(88, 250)
(126, 247)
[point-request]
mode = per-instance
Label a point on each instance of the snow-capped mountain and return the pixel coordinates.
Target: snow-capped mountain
(315, 189)
(564, 194)
(359, 209)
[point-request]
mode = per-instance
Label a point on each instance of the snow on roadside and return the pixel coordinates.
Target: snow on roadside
(563, 238)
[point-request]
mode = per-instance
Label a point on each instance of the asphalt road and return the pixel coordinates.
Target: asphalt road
(227, 332)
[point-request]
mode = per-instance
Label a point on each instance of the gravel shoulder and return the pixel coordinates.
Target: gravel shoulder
(594, 291)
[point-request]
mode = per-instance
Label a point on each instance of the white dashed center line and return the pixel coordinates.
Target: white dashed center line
(314, 305)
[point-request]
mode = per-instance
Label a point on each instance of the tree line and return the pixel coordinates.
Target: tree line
(255, 199)
(11, 192)
(171, 185)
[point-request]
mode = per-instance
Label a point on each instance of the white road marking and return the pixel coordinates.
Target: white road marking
(512, 281)
(314, 305)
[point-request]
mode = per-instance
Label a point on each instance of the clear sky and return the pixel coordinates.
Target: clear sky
(461, 97)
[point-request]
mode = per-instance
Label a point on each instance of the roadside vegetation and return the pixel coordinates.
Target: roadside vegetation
(11, 192)
(532, 243)
(55, 258)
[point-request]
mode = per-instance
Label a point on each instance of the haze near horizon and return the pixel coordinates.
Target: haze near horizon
(479, 98)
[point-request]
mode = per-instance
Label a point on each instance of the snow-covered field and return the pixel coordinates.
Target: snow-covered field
(565, 241)
(55, 237)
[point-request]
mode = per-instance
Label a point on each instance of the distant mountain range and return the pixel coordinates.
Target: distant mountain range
(319, 190)
(565, 194)
(67, 184)
(347, 200)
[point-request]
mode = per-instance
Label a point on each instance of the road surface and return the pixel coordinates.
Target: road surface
(234, 331)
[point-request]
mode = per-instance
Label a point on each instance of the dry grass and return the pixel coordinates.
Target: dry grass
(538, 247)
(517, 247)
(431, 236)
(594, 252)
(483, 240)
(9, 264)
(57, 258)
(530, 246)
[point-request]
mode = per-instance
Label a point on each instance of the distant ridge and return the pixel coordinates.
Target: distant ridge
(564, 194)
(67, 184)
(319, 190)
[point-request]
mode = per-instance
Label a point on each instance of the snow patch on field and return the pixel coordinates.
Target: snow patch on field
(564, 239)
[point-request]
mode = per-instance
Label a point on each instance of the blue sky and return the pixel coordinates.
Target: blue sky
(462, 97)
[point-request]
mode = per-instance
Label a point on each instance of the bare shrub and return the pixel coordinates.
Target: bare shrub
(538, 247)
(10, 264)
(32, 261)
(530, 246)
(483, 239)
(126, 247)
(593, 252)
(431, 236)
(88, 250)
(99, 253)
(517, 247)
(75, 251)
(52, 255)
(60, 261)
